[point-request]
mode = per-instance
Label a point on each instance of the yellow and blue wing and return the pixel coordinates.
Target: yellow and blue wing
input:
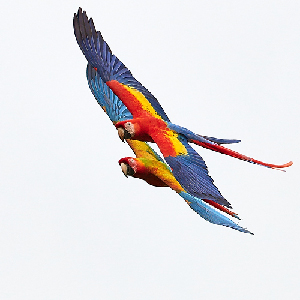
(202, 207)
(191, 171)
(143, 150)
(112, 71)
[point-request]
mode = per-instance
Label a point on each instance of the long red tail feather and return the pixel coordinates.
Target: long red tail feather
(224, 150)
(222, 208)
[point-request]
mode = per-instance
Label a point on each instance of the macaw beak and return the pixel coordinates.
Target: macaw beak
(127, 170)
(123, 134)
(124, 169)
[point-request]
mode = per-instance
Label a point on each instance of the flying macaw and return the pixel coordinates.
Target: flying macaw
(148, 165)
(149, 122)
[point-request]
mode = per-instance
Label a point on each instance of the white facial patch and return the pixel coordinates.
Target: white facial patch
(130, 128)
(133, 164)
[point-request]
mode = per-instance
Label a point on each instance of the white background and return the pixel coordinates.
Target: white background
(73, 227)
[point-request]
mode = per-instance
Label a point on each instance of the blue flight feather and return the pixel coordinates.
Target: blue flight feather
(221, 141)
(191, 172)
(209, 214)
(112, 105)
(201, 138)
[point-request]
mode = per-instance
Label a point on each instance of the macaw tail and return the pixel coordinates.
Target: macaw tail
(209, 214)
(221, 208)
(224, 150)
(214, 144)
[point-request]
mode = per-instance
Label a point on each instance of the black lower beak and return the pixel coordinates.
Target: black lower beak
(127, 135)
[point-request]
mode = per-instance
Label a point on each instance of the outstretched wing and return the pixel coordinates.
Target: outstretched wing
(209, 214)
(112, 71)
(204, 207)
(143, 150)
(190, 170)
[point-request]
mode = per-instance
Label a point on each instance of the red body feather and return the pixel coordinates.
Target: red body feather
(151, 129)
(129, 100)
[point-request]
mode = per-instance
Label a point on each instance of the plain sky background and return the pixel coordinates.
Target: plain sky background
(73, 227)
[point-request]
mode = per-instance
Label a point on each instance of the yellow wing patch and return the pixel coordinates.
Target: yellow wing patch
(146, 105)
(178, 146)
(160, 170)
(141, 149)
(145, 154)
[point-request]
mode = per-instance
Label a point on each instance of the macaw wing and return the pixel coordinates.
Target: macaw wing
(202, 207)
(191, 172)
(112, 71)
(143, 150)
(210, 214)
(110, 103)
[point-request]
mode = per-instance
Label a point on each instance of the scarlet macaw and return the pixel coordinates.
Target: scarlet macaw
(149, 122)
(148, 165)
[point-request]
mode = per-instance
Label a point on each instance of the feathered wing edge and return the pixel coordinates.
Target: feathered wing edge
(191, 172)
(99, 55)
(109, 102)
(209, 214)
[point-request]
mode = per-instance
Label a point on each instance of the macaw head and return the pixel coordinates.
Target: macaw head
(126, 129)
(137, 168)
(129, 166)
(135, 129)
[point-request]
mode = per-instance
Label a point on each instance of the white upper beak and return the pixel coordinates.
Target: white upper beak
(124, 169)
(121, 133)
